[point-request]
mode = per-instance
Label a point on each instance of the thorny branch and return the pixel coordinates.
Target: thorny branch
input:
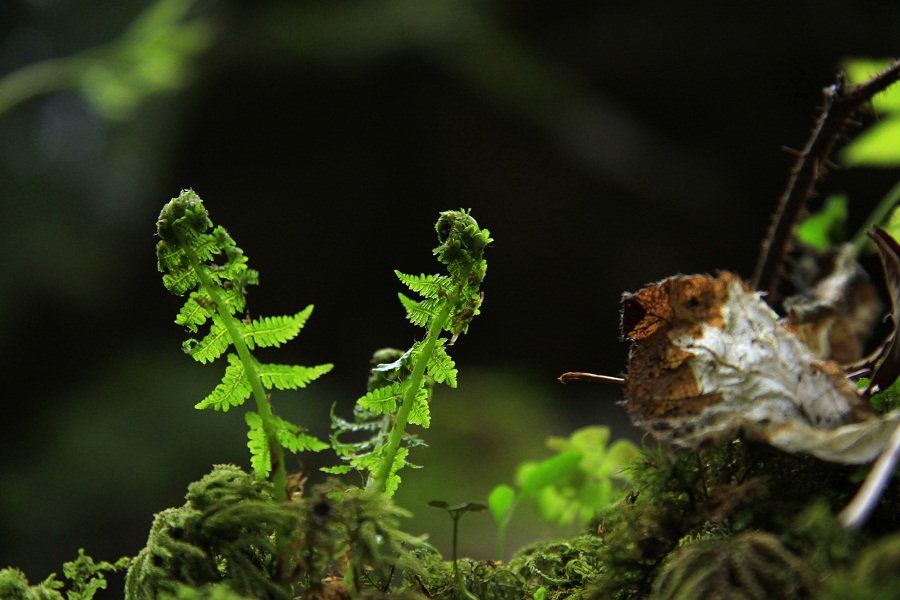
(841, 102)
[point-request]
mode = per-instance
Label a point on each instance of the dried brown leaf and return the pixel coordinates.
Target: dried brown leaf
(711, 361)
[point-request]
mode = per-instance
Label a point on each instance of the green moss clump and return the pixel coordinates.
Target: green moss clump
(233, 539)
(14, 586)
(212, 591)
(85, 577)
(224, 534)
(563, 569)
(874, 575)
(752, 565)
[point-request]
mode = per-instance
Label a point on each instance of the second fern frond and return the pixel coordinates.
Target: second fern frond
(448, 304)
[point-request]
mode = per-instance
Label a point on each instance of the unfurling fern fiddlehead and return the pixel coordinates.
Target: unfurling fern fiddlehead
(186, 254)
(449, 302)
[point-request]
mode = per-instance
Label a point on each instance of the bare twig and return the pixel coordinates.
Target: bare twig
(841, 102)
(572, 375)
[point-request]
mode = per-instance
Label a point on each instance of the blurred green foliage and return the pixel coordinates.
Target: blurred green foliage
(584, 476)
(877, 146)
(152, 56)
(825, 228)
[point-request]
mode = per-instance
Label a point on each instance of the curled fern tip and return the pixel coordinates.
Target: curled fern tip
(459, 237)
(184, 214)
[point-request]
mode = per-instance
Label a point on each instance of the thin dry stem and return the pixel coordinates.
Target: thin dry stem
(841, 102)
(572, 375)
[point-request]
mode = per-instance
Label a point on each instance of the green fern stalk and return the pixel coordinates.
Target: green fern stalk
(279, 478)
(218, 291)
(380, 479)
(449, 305)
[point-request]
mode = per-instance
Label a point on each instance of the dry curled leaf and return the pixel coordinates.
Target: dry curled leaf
(711, 361)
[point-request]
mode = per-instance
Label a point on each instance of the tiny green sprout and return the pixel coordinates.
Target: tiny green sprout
(456, 513)
(187, 253)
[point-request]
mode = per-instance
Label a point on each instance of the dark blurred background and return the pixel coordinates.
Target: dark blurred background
(605, 145)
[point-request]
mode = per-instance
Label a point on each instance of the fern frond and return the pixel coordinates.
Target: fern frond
(384, 400)
(186, 244)
(393, 479)
(291, 437)
(233, 254)
(206, 247)
(240, 280)
(448, 304)
(364, 421)
(180, 281)
(421, 313)
(232, 391)
(169, 257)
(289, 377)
(274, 331)
(260, 458)
(196, 310)
(441, 367)
(178, 276)
(212, 346)
(428, 286)
(365, 461)
(360, 453)
(195, 256)
(421, 413)
(235, 301)
(338, 470)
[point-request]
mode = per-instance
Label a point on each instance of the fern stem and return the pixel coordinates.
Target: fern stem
(879, 215)
(379, 482)
(279, 477)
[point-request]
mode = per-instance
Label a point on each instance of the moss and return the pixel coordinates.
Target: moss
(745, 513)
(874, 575)
(224, 534)
(14, 586)
(564, 569)
(751, 565)
(208, 592)
(232, 537)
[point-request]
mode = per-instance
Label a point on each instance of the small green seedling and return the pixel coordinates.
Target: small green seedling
(571, 486)
(186, 255)
(456, 513)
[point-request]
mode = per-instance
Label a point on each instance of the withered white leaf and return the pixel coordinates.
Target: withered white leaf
(711, 361)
